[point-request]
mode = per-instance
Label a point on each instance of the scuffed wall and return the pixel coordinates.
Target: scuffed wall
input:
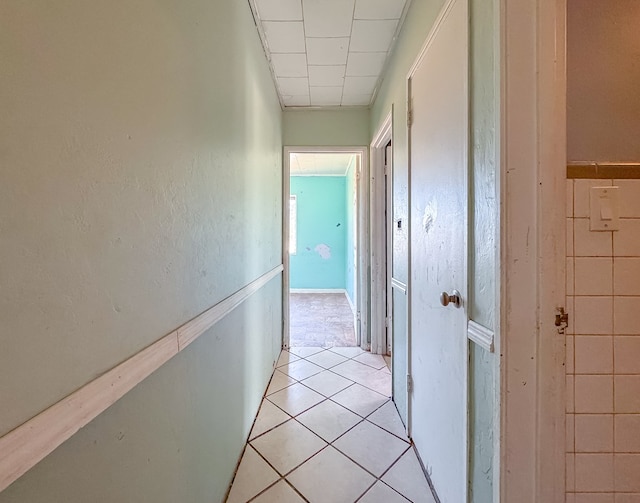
(140, 184)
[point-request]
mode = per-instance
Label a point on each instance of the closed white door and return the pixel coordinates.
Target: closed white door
(438, 92)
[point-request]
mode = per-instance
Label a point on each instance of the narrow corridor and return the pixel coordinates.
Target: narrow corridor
(327, 432)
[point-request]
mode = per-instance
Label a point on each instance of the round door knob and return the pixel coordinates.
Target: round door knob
(453, 298)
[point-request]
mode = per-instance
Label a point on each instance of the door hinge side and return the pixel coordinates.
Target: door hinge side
(562, 320)
(409, 384)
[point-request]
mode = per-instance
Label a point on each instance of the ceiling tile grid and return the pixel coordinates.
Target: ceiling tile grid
(328, 52)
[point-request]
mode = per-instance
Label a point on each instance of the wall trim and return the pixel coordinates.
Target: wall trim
(28, 444)
(481, 335)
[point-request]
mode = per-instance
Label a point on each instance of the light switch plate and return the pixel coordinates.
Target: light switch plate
(604, 209)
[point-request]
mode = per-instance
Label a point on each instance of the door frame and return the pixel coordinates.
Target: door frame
(532, 179)
(381, 259)
(362, 241)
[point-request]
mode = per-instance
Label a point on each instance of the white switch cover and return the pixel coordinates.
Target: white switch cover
(604, 209)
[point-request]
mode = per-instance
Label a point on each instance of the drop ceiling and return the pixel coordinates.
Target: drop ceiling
(327, 53)
(320, 164)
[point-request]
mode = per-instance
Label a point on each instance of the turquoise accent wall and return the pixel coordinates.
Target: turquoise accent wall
(322, 228)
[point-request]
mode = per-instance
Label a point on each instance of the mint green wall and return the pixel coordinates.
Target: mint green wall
(348, 127)
(322, 222)
(350, 194)
(141, 184)
(484, 214)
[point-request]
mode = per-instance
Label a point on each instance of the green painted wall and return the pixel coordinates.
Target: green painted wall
(320, 261)
(140, 185)
(348, 127)
(484, 214)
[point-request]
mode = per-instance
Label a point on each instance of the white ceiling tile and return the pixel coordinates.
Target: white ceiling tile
(284, 36)
(356, 99)
(326, 75)
(280, 10)
(296, 101)
(326, 95)
(379, 9)
(289, 65)
(365, 64)
(372, 36)
(328, 18)
(327, 51)
(293, 86)
(359, 85)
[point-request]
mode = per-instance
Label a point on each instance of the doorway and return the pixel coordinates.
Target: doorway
(325, 248)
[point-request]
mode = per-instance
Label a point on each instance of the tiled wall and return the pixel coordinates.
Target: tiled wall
(603, 350)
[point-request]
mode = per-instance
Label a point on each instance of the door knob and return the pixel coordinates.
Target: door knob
(454, 298)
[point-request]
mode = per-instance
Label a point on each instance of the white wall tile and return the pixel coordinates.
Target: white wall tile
(570, 276)
(284, 36)
(279, 10)
(594, 498)
(626, 315)
(627, 472)
(570, 393)
(627, 276)
(594, 354)
(570, 472)
(626, 241)
(570, 241)
(593, 394)
(594, 472)
(594, 432)
(570, 354)
(627, 394)
(591, 244)
(569, 200)
(372, 36)
(570, 427)
(627, 355)
(627, 433)
(594, 315)
(629, 195)
(593, 276)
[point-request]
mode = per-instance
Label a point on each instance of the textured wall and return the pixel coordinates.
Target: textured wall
(351, 208)
(603, 71)
(320, 261)
(140, 184)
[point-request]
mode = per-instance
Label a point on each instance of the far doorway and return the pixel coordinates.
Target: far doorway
(324, 242)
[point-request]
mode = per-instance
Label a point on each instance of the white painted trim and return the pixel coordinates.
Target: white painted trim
(380, 263)
(362, 224)
(318, 290)
(28, 444)
(533, 166)
(395, 283)
(482, 336)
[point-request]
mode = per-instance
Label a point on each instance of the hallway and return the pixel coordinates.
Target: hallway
(327, 432)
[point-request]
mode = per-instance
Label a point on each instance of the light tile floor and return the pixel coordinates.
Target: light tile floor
(321, 319)
(327, 432)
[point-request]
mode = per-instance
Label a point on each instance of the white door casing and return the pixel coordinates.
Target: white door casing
(438, 146)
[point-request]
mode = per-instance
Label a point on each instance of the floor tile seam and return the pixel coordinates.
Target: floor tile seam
(266, 397)
(289, 417)
(284, 479)
(334, 394)
(406, 440)
(235, 472)
(369, 388)
(366, 469)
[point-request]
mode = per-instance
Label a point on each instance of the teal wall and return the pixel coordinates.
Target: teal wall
(141, 184)
(322, 222)
(350, 194)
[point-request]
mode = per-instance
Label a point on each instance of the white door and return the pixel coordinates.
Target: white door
(438, 92)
